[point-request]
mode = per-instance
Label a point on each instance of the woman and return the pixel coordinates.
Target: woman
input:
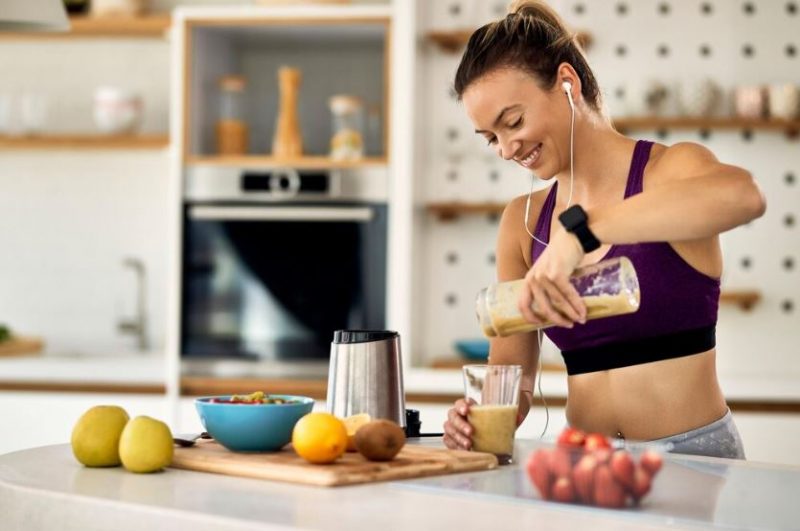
(650, 375)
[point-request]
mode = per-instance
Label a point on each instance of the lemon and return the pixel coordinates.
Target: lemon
(352, 424)
(145, 445)
(95, 437)
(319, 438)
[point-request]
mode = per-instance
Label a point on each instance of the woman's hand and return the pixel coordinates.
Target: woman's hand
(550, 295)
(457, 429)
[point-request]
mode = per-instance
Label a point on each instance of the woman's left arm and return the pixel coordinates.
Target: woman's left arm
(695, 197)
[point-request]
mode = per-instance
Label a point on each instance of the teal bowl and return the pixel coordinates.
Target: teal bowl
(473, 349)
(252, 427)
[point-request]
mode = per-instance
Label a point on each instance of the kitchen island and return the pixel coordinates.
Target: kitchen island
(45, 488)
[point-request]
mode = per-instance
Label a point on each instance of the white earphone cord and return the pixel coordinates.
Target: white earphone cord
(527, 211)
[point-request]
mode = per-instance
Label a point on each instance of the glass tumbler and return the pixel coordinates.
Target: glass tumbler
(495, 390)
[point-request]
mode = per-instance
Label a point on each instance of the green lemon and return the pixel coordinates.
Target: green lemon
(145, 445)
(95, 437)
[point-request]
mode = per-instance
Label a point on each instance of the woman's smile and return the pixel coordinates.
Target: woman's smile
(531, 158)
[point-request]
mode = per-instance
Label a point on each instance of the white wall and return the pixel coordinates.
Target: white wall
(68, 218)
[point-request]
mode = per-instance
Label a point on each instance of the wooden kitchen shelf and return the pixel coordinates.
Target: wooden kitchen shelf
(790, 127)
(84, 141)
(452, 41)
(745, 299)
(309, 162)
(451, 210)
(146, 26)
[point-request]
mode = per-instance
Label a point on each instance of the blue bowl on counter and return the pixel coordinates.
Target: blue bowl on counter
(473, 349)
(252, 427)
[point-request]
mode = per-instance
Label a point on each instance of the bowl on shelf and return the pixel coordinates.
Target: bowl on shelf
(473, 349)
(244, 427)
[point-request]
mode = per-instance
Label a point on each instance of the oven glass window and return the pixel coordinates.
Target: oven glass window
(268, 286)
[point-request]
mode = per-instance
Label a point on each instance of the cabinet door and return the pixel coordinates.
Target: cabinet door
(32, 419)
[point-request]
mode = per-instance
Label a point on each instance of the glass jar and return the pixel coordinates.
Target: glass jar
(347, 142)
(231, 129)
(607, 288)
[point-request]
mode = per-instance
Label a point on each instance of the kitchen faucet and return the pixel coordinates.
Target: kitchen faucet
(138, 324)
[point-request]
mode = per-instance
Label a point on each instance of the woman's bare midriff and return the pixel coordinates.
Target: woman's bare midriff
(648, 401)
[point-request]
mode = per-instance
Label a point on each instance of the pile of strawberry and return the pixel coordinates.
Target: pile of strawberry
(583, 468)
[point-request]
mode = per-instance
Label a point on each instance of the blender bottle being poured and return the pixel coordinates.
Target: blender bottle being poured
(607, 288)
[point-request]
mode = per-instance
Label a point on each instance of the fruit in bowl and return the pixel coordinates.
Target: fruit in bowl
(262, 423)
(586, 468)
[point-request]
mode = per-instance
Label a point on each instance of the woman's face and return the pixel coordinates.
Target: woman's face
(519, 120)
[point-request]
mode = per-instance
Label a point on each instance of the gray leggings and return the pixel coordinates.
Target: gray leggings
(718, 439)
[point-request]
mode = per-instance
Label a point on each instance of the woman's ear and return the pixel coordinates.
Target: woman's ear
(567, 74)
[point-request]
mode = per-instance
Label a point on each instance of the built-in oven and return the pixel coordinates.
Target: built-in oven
(274, 261)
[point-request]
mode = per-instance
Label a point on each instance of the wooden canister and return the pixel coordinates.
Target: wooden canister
(288, 141)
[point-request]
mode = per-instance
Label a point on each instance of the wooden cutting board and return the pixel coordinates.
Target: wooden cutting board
(412, 462)
(21, 346)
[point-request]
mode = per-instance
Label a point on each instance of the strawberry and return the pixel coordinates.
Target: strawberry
(607, 492)
(622, 468)
(603, 455)
(571, 437)
(596, 441)
(641, 484)
(651, 462)
(561, 462)
(563, 490)
(583, 479)
(538, 468)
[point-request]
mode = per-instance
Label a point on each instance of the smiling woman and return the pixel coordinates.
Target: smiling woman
(528, 89)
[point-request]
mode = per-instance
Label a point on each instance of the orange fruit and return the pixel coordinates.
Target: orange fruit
(319, 438)
(352, 424)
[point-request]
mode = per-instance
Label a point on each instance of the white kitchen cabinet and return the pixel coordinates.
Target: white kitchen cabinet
(30, 419)
(770, 437)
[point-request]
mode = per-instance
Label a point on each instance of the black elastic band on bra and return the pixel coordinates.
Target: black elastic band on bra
(625, 354)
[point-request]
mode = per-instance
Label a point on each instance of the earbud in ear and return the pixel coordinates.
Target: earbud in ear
(567, 86)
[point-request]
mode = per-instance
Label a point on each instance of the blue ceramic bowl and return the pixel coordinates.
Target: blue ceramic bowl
(252, 427)
(473, 349)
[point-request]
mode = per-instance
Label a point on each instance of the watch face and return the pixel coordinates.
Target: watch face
(572, 217)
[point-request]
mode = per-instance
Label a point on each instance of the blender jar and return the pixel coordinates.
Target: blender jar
(607, 288)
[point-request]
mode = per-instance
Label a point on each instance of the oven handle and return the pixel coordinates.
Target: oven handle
(324, 214)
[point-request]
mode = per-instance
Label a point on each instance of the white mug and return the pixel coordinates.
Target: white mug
(750, 102)
(784, 101)
(116, 110)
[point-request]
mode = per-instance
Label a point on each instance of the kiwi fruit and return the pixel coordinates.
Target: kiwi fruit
(380, 440)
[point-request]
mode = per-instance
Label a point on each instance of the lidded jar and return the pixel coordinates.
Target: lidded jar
(347, 141)
(608, 288)
(231, 128)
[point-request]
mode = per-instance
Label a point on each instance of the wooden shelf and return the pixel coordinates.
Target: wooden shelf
(308, 162)
(453, 41)
(450, 211)
(790, 127)
(146, 26)
(745, 299)
(84, 141)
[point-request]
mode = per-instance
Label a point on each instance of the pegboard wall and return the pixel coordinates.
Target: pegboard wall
(680, 46)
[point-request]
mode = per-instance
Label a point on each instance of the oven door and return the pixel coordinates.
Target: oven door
(273, 281)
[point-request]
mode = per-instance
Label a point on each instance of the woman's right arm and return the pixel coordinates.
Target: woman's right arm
(513, 261)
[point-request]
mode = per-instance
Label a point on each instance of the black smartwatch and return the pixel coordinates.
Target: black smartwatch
(574, 220)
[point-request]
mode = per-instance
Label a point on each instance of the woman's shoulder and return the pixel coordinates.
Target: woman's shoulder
(680, 160)
(513, 219)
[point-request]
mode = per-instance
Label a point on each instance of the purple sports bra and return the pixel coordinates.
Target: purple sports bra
(678, 311)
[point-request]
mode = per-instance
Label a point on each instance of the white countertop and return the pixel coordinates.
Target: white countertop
(151, 368)
(45, 488)
(145, 368)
